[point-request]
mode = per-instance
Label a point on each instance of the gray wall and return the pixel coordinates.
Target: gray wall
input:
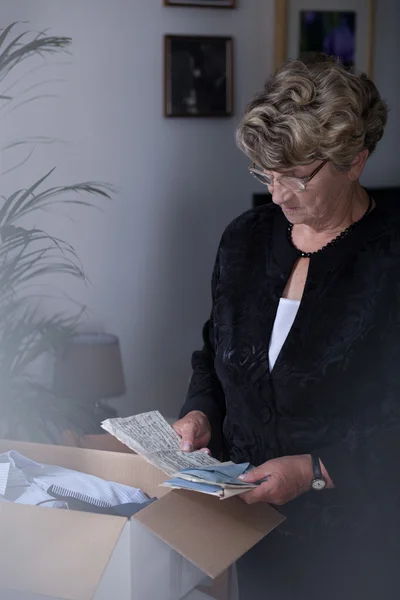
(383, 168)
(149, 254)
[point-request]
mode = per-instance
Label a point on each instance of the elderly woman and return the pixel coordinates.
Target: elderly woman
(300, 369)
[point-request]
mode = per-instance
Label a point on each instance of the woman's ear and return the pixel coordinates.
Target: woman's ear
(357, 166)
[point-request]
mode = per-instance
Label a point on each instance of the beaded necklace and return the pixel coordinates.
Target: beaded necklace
(333, 242)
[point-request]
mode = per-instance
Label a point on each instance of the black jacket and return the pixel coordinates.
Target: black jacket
(335, 387)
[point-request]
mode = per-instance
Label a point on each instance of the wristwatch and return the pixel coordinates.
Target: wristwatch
(318, 482)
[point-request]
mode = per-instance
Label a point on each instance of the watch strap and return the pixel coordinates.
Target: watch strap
(317, 472)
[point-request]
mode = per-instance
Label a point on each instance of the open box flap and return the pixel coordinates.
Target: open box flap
(56, 553)
(210, 533)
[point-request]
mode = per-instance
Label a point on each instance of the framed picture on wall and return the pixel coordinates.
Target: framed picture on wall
(342, 28)
(202, 3)
(198, 76)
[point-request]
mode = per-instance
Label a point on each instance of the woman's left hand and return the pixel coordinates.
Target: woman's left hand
(286, 478)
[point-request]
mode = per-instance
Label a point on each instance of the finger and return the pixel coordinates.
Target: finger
(260, 494)
(178, 428)
(256, 474)
(188, 435)
(206, 451)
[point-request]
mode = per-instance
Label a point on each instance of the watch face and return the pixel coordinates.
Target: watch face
(318, 484)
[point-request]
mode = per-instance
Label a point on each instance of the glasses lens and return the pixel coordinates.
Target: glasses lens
(261, 177)
(293, 184)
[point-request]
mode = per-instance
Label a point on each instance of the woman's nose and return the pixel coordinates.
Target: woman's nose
(280, 195)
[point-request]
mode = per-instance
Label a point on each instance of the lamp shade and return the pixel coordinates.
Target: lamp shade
(90, 368)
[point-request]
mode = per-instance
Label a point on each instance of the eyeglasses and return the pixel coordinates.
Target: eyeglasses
(294, 184)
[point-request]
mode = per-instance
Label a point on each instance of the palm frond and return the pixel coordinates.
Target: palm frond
(26, 256)
(38, 139)
(15, 201)
(30, 256)
(23, 202)
(6, 93)
(17, 50)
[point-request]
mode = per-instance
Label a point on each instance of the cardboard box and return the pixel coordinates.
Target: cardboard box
(161, 553)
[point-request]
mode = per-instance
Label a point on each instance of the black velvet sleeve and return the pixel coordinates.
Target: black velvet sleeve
(205, 391)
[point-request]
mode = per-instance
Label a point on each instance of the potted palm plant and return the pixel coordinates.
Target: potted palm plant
(27, 409)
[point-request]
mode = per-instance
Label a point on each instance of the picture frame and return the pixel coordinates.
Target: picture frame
(198, 76)
(343, 28)
(202, 3)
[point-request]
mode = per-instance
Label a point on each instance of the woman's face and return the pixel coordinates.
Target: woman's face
(320, 201)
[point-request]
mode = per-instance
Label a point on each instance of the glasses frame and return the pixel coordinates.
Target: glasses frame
(254, 170)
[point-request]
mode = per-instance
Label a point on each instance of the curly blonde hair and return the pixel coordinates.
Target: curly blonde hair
(312, 109)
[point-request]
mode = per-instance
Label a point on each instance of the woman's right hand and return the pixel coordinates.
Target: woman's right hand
(195, 431)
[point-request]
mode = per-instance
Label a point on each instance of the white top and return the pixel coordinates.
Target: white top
(284, 319)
